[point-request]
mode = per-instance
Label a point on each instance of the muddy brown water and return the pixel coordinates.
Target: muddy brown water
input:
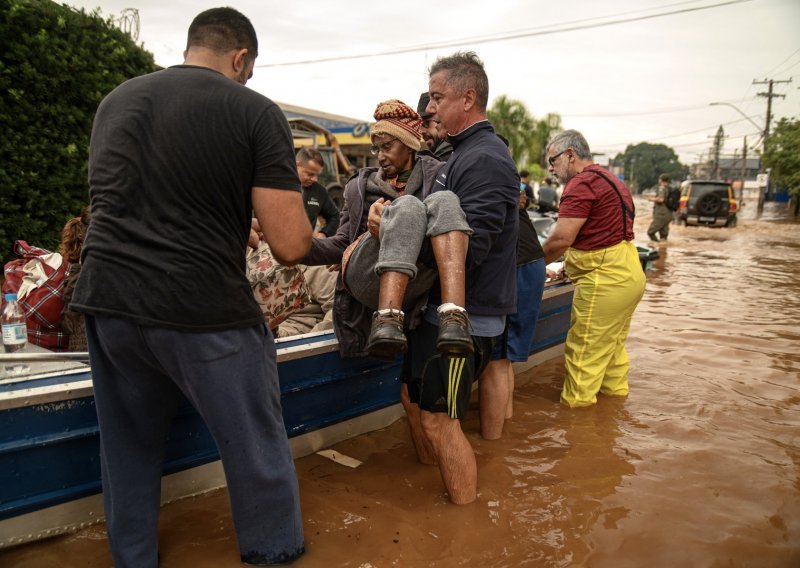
(699, 466)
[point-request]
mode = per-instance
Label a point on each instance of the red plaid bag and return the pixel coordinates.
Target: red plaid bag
(44, 303)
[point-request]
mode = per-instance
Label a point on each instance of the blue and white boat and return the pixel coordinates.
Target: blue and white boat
(49, 437)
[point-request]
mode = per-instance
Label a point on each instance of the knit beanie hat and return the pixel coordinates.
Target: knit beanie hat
(397, 119)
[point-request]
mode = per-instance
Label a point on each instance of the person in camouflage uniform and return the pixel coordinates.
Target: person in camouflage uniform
(661, 213)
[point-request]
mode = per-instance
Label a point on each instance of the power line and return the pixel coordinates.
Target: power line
(651, 140)
(556, 29)
(771, 71)
(643, 112)
(727, 138)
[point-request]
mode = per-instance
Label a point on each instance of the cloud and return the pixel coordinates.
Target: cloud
(679, 61)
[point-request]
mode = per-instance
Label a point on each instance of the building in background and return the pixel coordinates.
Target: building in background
(352, 134)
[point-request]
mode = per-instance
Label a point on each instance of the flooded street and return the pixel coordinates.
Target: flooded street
(698, 467)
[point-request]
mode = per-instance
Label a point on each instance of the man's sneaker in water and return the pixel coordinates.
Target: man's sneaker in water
(454, 336)
(386, 339)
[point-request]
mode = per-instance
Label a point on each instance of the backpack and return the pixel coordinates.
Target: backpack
(673, 199)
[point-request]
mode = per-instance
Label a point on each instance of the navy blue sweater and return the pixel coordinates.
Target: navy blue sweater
(483, 176)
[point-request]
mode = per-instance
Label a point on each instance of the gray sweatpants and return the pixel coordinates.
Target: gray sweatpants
(230, 377)
(405, 224)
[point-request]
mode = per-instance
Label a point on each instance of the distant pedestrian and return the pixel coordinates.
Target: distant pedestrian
(594, 232)
(548, 197)
(662, 216)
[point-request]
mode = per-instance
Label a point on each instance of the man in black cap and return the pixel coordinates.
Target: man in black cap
(437, 145)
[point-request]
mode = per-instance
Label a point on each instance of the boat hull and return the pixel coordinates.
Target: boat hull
(49, 437)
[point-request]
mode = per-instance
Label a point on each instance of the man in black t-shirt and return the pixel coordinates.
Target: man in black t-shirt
(315, 197)
(178, 161)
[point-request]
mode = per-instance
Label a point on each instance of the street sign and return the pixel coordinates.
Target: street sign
(762, 180)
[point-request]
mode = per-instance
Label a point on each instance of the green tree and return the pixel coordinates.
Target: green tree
(645, 162)
(511, 119)
(537, 172)
(782, 156)
(57, 65)
(542, 133)
(527, 137)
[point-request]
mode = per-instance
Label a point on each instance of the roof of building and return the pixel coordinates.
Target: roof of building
(332, 122)
(752, 163)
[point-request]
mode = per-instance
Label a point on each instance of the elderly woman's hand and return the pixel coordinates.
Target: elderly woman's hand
(374, 217)
(255, 234)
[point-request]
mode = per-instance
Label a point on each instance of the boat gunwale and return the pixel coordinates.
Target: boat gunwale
(25, 392)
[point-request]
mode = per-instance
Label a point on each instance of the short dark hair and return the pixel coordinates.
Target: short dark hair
(309, 154)
(664, 178)
(465, 71)
(524, 173)
(223, 30)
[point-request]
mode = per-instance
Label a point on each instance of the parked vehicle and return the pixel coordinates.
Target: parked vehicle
(707, 202)
(337, 168)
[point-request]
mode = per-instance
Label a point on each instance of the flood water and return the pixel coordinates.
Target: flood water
(698, 467)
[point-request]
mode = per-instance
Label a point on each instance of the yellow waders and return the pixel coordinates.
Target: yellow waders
(609, 283)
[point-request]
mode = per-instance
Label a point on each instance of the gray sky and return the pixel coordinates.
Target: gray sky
(650, 79)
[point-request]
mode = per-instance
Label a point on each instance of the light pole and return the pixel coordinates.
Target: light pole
(737, 109)
(734, 107)
(763, 137)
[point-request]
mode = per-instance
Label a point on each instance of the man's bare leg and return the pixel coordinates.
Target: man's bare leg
(456, 458)
(494, 397)
(510, 407)
(423, 447)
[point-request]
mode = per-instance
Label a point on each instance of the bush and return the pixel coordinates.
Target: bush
(57, 65)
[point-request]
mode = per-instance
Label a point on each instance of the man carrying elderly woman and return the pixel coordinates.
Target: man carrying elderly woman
(387, 272)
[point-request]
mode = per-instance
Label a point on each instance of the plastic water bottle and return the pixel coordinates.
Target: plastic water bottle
(15, 332)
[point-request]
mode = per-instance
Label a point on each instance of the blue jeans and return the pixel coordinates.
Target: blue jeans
(230, 377)
(521, 326)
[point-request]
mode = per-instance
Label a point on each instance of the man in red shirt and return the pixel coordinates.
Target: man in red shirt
(594, 233)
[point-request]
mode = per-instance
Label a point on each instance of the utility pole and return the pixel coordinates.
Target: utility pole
(744, 168)
(770, 95)
(716, 148)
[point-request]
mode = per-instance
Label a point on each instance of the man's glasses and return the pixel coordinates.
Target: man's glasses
(552, 160)
(385, 147)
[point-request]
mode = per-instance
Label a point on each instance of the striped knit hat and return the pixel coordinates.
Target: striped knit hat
(399, 120)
